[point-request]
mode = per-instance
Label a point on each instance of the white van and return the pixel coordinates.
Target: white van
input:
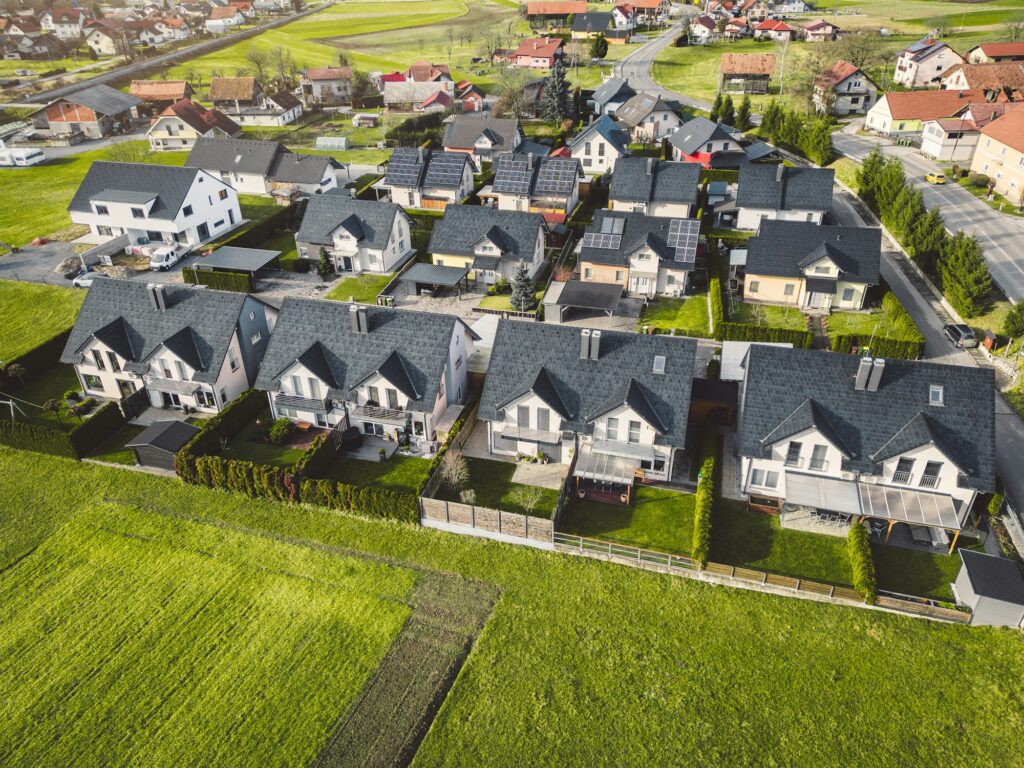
(165, 257)
(21, 158)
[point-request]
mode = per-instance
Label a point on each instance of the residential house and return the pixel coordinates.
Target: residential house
(773, 29)
(471, 97)
(425, 72)
(383, 371)
(545, 185)
(482, 137)
(184, 347)
(1000, 155)
(144, 32)
(1005, 76)
(812, 267)
(245, 8)
(921, 64)
(903, 114)
(231, 94)
(746, 72)
(183, 123)
(438, 101)
(358, 235)
(700, 140)
(537, 53)
(736, 29)
(821, 31)
(649, 118)
(616, 405)
(900, 442)
(624, 17)
(428, 178)
(610, 96)
(554, 13)
(43, 47)
(489, 242)
(600, 145)
(224, 19)
(954, 139)
(703, 30)
(154, 204)
(991, 53)
(96, 111)
(108, 38)
(755, 10)
(158, 95)
(263, 167)
(655, 187)
(589, 25)
(24, 26)
(277, 109)
(326, 86)
(407, 95)
(65, 23)
(786, 194)
(174, 28)
(647, 255)
(651, 10)
(790, 7)
(844, 90)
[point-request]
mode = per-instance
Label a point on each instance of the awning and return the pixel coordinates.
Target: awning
(618, 448)
(531, 435)
(585, 295)
(821, 285)
(605, 467)
(301, 403)
(172, 386)
(486, 262)
(935, 510)
(822, 493)
(434, 274)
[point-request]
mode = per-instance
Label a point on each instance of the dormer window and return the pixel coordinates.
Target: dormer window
(821, 270)
(935, 395)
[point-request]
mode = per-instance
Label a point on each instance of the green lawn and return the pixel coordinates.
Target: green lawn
(241, 447)
(400, 473)
(503, 301)
(846, 171)
(741, 536)
(768, 315)
(640, 668)
(132, 633)
(689, 314)
(362, 289)
(113, 450)
(33, 313)
(998, 202)
(51, 385)
(1015, 397)
(864, 323)
(910, 572)
(492, 482)
(285, 243)
(658, 519)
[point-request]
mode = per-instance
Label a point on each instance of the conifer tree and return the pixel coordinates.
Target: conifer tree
(965, 277)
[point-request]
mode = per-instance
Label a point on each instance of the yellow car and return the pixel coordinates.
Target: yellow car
(935, 178)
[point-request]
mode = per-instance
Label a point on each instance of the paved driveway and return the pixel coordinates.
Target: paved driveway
(35, 263)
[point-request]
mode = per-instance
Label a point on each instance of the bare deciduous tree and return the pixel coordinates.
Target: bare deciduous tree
(1014, 30)
(528, 497)
(259, 61)
(128, 152)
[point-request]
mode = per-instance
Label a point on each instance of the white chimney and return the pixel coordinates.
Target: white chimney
(595, 345)
(364, 319)
(353, 318)
(585, 344)
(863, 372)
(161, 297)
(876, 374)
(779, 170)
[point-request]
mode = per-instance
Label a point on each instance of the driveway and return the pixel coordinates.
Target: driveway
(36, 263)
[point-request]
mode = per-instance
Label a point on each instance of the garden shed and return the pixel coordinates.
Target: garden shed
(156, 445)
(992, 587)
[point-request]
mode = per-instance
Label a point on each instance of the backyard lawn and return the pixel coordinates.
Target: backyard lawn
(659, 519)
(285, 243)
(399, 473)
(362, 289)
(114, 451)
(878, 323)
(910, 572)
(689, 315)
(51, 385)
(503, 301)
(768, 315)
(615, 656)
(33, 313)
(492, 483)
(246, 446)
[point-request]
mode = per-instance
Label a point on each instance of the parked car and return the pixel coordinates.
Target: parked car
(85, 279)
(935, 178)
(960, 335)
(165, 257)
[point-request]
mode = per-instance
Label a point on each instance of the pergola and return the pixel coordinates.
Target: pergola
(902, 505)
(434, 276)
(605, 468)
(589, 297)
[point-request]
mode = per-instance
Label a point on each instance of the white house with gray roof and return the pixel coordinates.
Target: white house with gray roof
(649, 118)
(490, 243)
(426, 178)
(383, 371)
(483, 137)
(786, 194)
(900, 442)
(263, 167)
(618, 401)
(154, 204)
(655, 187)
(186, 347)
(600, 145)
(359, 235)
(610, 95)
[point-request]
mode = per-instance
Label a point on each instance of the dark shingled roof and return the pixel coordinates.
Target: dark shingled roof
(607, 128)
(466, 129)
(786, 248)
(798, 189)
(695, 133)
(106, 181)
(198, 324)
(638, 230)
(463, 226)
(531, 175)
(269, 159)
(613, 88)
(369, 221)
(636, 110)
(632, 394)
(992, 576)
(415, 168)
(522, 351)
(169, 436)
(409, 348)
(781, 381)
(655, 181)
(595, 21)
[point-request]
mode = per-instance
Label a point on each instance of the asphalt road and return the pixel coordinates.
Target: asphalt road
(635, 68)
(1001, 234)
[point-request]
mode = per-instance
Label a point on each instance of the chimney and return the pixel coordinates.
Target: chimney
(650, 165)
(595, 345)
(585, 344)
(876, 374)
(151, 292)
(363, 317)
(863, 371)
(161, 297)
(353, 318)
(779, 170)
(420, 154)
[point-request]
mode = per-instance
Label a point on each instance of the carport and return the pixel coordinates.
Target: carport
(233, 259)
(156, 445)
(426, 279)
(584, 298)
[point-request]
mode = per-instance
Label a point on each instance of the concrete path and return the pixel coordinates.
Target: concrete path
(542, 475)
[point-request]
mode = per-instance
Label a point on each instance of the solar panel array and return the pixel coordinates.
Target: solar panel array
(682, 238)
(602, 240)
(557, 175)
(513, 174)
(444, 169)
(405, 167)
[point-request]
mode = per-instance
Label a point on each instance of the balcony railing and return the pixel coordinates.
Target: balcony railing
(379, 413)
(929, 481)
(794, 462)
(901, 478)
(314, 405)
(818, 465)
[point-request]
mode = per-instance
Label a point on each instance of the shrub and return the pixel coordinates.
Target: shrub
(701, 547)
(35, 437)
(84, 406)
(240, 282)
(995, 505)
(370, 501)
(280, 431)
(302, 266)
(72, 395)
(978, 180)
(317, 457)
(1013, 325)
(750, 332)
(717, 307)
(714, 368)
(862, 563)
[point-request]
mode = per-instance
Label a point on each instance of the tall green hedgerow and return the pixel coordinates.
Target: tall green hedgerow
(862, 563)
(705, 499)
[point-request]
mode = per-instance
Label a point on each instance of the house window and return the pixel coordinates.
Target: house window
(523, 416)
(789, 289)
(166, 368)
(314, 388)
(114, 365)
(904, 467)
(930, 478)
(935, 394)
(822, 270)
(218, 224)
(618, 275)
(458, 363)
(102, 210)
(105, 231)
(138, 213)
(204, 398)
(587, 274)
(793, 454)
(847, 294)
(93, 382)
(611, 430)
(372, 396)
(232, 359)
(222, 195)
(187, 210)
(754, 285)
(182, 374)
(392, 398)
(321, 420)
(818, 458)
(600, 150)
(634, 432)
(297, 386)
(97, 359)
(586, 148)
(543, 419)
(764, 479)
(255, 338)
(223, 392)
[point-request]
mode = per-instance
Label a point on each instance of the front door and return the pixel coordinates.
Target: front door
(817, 300)
(346, 263)
(203, 231)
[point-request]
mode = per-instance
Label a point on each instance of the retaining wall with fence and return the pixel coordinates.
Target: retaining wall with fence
(488, 523)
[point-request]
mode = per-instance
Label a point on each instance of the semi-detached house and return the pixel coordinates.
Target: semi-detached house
(426, 178)
(786, 194)
(358, 235)
(263, 167)
(490, 243)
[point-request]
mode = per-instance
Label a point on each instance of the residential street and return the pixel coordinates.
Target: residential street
(635, 68)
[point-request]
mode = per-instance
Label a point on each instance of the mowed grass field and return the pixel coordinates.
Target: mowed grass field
(33, 313)
(130, 637)
(581, 663)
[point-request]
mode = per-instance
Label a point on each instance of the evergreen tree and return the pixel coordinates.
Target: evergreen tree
(770, 120)
(522, 298)
(789, 129)
(728, 111)
(868, 175)
(891, 182)
(904, 214)
(556, 103)
(1013, 325)
(716, 109)
(598, 47)
(965, 278)
(816, 141)
(324, 265)
(743, 114)
(927, 239)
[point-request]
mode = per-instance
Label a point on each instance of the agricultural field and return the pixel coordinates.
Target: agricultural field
(33, 313)
(580, 663)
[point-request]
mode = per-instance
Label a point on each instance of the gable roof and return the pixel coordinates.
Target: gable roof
(695, 133)
(226, 12)
(408, 348)
(1008, 129)
(517, 174)
(636, 110)
(102, 99)
(160, 90)
(996, 50)
(328, 73)
(778, 380)
(655, 181)
(807, 415)
(463, 226)
(615, 235)
(546, 359)
(122, 181)
(466, 129)
(613, 88)
(369, 221)
(200, 118)
(704, 21)
(412, 92)
(415, 167)
(285, 100)
(839, 72)
(748, 64)
(785, 248)
(269, 159)
(539, 47)
(424, 72)
(819, 24)
(608, 129)
(598, 21)
(564, 8)
(923, 48)
(994, 75)
(198, 324)
(929, 105)
(779, 188)
(773, 25)
(232, 88)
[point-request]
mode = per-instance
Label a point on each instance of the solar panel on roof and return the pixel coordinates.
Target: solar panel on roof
(602, 240)
(682, 237)
(405, 168)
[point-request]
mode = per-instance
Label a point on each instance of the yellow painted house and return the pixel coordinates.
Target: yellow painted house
(489, 242)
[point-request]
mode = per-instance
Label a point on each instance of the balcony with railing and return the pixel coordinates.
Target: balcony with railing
(818, 465)
(313, 405)
(794, 461)
(379, 413)
(901, 478)
(929, 481)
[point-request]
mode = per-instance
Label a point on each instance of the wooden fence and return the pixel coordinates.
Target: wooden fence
(487, 521)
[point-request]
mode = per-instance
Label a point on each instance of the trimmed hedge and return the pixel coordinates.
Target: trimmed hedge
(37, 360)
(701, 547)
(719, 174)
(255, 480)
(748, 332)
(717, 308)
(240, 282)
(74, 443)
(257, 233)
(908, 345)
(365, 500)
(317, 457)
(228, 422)
(93, 432)
(995, 505)
(863, 563)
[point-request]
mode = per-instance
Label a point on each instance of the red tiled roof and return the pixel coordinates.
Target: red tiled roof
(437, 97)
(201, 118)
(984, 112)
(818, 25)
(774, 25)
(956, 124)
(541, 47)
(425, 72)
(223, 13)
(1003, 74)
(929, 105)
(393, 77)
(329, 73)
(556, 8)
(1008, 129)
(994, 50)
(839, 72)
(159, 90)
(748, 63)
